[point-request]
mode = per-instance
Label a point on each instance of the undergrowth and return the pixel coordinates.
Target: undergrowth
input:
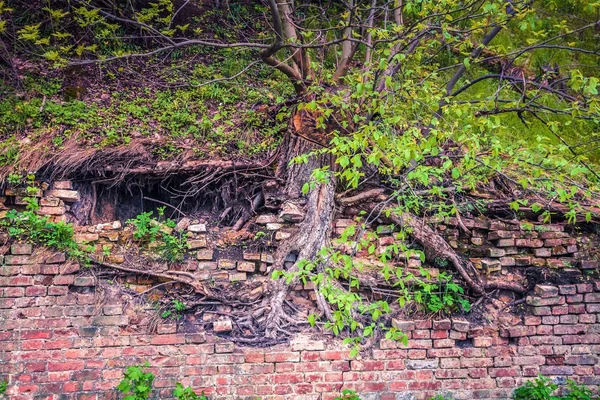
(29, 227)
(160, 235)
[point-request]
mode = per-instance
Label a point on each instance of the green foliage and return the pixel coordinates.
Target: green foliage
(348, 394)
(187, 393)
(442, 295)
(161, 236)
(29, 227)
(3, 387)
(542, 388)
(136, 383)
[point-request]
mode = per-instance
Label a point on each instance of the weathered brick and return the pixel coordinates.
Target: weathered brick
(567, 289)
(19, 260)
(545, 291)
(529, 243)
(549, 301)
(585, 288)
(592, 298)
(581, 359)
(550, 370)
(422, 364)
(63, 280)
(21, 249)
(84, 281)
(403, 326)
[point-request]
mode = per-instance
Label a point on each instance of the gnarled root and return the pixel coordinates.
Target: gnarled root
(313, 234)
(435, 246)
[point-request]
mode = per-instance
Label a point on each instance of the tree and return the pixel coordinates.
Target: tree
(403, 104)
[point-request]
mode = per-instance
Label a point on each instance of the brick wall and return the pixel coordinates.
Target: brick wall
(63, 336)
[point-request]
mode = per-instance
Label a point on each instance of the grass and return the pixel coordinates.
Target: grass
(225, 118)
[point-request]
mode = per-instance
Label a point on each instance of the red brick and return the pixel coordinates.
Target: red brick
(65, 366)
(62, 280)
(282, 357)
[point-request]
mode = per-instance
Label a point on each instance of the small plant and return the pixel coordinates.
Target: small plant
(259, 235)
(187, 393)
(150, 231)
(3, 387)
(136, 384)
(348, 394)
(29, 227)
(179, 306)
(542, 388)
(441, 296)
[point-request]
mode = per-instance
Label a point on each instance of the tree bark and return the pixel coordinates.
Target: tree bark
(314, 231)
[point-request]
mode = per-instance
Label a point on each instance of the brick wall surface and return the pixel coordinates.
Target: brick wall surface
(65, 334)
(58, 341)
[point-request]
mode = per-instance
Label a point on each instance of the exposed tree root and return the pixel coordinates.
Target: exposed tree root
(313, 234)
(176, 276)
(435, 246)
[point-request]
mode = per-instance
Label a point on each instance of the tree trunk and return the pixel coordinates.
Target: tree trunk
(314, 231)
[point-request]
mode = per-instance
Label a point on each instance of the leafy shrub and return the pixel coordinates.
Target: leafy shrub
(29, 227)
(150, 231)
(136, 384)
(187, 393)
(3, 387)
(542, 388)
